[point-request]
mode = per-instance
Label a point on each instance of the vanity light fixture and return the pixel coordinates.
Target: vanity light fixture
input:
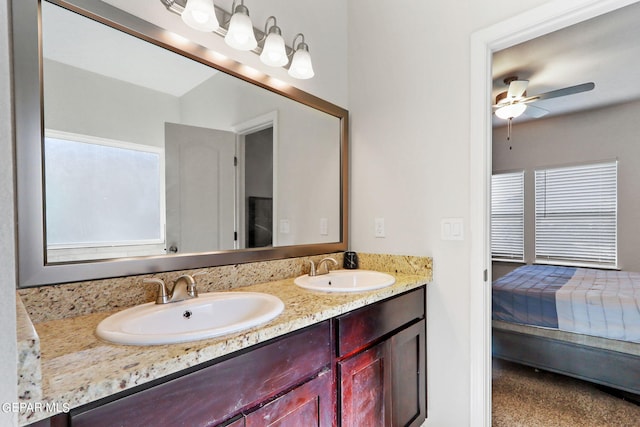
(301, 67)
(274, 52)
(239, 33)
(200, 15)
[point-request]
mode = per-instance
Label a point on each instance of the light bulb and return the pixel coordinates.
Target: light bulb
(274, 53)
(511, 111)
(240, 35)
(200, 15)
(301, 67)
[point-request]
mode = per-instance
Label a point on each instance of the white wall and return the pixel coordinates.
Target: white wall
(86, 103)
(8, 352)
(408, 99)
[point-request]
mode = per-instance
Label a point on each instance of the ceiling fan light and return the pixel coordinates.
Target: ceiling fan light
(511, 111)
(200, 15)
(240, 34)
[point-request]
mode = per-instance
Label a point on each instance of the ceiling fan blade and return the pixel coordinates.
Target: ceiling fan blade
(517, 89)
(535, 112)
(571, 90)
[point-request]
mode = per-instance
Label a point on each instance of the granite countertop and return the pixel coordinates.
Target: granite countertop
(77, 368)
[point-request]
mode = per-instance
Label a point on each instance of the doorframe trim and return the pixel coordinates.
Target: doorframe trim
(549, 17)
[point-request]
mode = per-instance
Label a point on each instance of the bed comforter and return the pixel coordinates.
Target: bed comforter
(604, 303)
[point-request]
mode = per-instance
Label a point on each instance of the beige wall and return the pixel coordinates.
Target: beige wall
(603, 134)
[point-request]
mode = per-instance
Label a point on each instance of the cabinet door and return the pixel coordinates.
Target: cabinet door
(408, 373)
(308, 405)
(365, 388)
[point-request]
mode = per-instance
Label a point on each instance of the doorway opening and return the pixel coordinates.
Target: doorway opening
(258, 188)
(257, 178)
(539, 21)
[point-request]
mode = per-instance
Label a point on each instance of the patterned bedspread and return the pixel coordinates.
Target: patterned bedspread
(604, 303)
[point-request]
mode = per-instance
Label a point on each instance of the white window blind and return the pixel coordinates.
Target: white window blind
(507, 216)
(576, 215)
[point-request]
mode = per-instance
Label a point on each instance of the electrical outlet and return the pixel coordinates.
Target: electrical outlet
(378, 230)
(284, 226)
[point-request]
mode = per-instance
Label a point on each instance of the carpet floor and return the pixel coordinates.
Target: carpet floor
(526, 397)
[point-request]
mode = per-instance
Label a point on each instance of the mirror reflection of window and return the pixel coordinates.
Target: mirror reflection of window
(104, 198)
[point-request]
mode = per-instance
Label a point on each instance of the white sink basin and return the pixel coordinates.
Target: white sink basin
(207, 316)
(346, 281)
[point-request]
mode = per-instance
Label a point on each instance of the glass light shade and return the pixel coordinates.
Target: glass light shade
(274, 53)
(200, 15)
(240, 35)
(301, 67)
(511, 111)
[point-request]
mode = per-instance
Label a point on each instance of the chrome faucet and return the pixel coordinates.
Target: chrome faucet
(184, 287)
(317, 271)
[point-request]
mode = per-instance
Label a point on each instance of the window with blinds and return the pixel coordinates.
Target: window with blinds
(507, 216)
(576, 215)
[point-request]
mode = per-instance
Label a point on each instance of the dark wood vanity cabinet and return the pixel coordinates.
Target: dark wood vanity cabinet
(294, 367)
(381, 366)
(364, 368)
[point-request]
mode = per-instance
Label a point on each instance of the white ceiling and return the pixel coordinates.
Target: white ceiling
(604, 50)
(74, 40)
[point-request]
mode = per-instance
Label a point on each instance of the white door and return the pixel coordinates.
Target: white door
(200, 183)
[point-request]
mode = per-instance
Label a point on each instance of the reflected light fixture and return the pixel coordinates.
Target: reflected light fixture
(301, 67)
(274, 52)
(200, 15)
(239, 33)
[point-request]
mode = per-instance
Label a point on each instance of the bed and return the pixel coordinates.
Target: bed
(580, 322)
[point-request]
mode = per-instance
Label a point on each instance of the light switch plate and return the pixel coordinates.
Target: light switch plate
(452, 229)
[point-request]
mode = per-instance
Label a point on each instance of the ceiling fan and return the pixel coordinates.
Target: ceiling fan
(514, 102)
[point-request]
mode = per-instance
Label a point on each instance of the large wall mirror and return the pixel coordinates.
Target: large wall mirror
(138, 152)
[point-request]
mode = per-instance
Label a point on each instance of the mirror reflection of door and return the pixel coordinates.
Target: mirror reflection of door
(258, 180)
(200, 200)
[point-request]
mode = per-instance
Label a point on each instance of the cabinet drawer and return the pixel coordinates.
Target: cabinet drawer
(215, 393)
(359, 328)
